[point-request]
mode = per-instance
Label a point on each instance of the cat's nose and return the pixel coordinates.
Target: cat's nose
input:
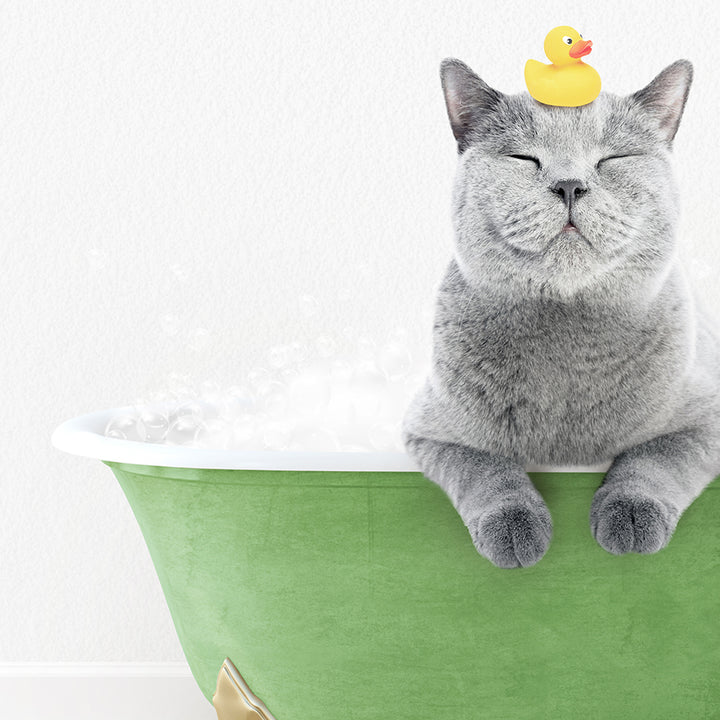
(569, 190)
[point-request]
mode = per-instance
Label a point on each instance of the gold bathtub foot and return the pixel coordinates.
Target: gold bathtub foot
(233, 699)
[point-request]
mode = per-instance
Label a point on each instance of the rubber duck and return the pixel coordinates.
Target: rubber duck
(568, 81)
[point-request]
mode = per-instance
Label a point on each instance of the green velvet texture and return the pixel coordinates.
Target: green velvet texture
(359, 596)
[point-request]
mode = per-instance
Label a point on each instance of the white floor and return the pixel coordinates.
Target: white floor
(144, 692)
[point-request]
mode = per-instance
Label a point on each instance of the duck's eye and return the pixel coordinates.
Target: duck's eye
(567, 40)
(526, 157)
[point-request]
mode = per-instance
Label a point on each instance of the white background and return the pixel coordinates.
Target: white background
(214, 162)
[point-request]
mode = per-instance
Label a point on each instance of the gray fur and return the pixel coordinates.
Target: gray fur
(567, 348)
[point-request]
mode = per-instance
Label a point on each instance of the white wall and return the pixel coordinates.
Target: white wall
(111, 691)
(216, 161)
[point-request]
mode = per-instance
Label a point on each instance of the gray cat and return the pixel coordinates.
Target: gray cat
(565, 332)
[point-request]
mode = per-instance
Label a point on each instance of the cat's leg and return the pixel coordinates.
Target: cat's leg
(648, 487)
(508, 520)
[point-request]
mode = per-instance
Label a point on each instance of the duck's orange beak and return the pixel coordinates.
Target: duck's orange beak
(580, 48)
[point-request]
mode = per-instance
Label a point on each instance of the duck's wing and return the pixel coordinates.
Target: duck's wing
(535, 74)
(538, 76)
(531, 65)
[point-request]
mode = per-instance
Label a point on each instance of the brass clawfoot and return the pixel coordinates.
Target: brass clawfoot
(233, 699)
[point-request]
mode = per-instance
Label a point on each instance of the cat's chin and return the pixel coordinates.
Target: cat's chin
(566, 288)
(565, 284)
(570, 265)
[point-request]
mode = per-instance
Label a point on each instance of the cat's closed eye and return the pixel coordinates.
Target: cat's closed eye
(526, 158)
(615, 157)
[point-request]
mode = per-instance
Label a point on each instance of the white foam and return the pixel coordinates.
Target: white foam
(311, 398)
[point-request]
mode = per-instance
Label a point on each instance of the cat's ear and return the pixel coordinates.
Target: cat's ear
(664, 98)
(467, 99)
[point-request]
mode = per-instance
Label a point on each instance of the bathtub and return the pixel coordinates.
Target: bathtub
(344, 586)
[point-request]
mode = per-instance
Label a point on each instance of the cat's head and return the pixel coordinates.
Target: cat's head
(526, 170)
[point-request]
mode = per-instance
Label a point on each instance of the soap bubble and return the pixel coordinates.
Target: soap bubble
(244, 430)
(180, 386)
(340, 392)
(215, 433)
(317, 365)
(139, 404)
(280, 356)
(355, 447)
(393, 402)
(309, 305)
(700, 270)
(427, 311)
(384, 436)
(275, 434)
(211, 392)
(309, 393)
(288, 374)
(183, 429)
(367, 386)
(313, 439)
(394, 359)
(299, 352)
(152, 426)
(123, 427)
(353, 432)
(238, 400)
(196, 408)
(365, 347)
(275, 402)
(413, 382)
(340, 411)
(399, 335)
(259, 380)
(341, 371)
(326, 346)
(208, 410)
(348, 334)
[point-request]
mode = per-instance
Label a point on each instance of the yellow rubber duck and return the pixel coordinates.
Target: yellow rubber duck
(568, 82)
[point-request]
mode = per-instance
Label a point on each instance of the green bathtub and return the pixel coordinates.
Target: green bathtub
(344, 586)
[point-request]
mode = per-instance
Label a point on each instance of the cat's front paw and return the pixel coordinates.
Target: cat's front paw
(623, 521)
(513, 533)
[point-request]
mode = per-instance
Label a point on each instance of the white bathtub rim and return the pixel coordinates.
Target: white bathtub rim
(84, 436)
